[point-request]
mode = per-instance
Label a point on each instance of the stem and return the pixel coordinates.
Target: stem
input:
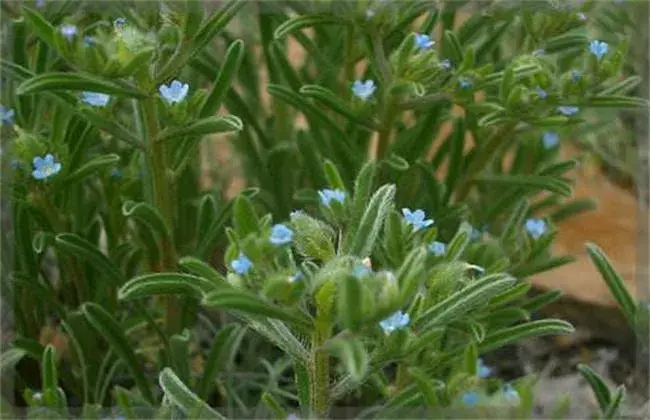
(491, 148)
(320, 369)
(401, 378)
(162, 200)
(348, 70)
(386, 131)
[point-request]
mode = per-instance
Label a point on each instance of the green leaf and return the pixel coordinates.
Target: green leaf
(409, 275)
(335, 103)
(471, 359)
(397, 162)
(137, 62)
(372, 221)
(181, 396)
(564, 42)
(614, 282)
(623, 87)
(236, 300)
(52, 82)
(86, 251)
(313, 238)
(452, 47)
(500, 338)
(227, 73)
(147, 214)
(41, 27)
(350, 308)
(305, 21)
(180, 354)
(95, 164)
(598, 386)
(613, 411)
(616, 101)
(464, 300)
(353, 356)
(532, 182)
(544, 265)
(222, 345)
(245, 218)
(165, 284)
(202, 269)
(202, 127)
(428, 387)
(113, 333)
(9, 359)
(333, 176)
(542, 300)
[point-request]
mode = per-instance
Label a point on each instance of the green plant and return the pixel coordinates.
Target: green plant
(119, 246)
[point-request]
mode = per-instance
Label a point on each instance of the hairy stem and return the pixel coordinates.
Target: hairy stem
(320, 369)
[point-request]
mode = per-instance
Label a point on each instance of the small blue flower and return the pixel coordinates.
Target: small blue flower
(483, 371)
(541, 92)
(470, 399)
(281, 235)
(6, 115)
(510, 393)
(464, 83)
(416, 219)
(581, 16)
(175, 92)
(363, 90)
(327, 196)
(474, 234)
(89, 41)
(119, 23)
(539, 52)
(68, 31)
(535, 227)
(445, 64)
(437, 248)
(423, 41)
(242, 264)
(45, 167)
(296, 277)
(116, 173)
(598, 48)
(396, 321)
(361, 271)
(567, 110)
(575, 76)
(550, 139)
(95, 99)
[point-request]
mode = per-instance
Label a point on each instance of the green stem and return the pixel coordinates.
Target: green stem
(348, 70)
(386, 131)
(492, 147)
(401, 378)
(162, 189)
(320, 369)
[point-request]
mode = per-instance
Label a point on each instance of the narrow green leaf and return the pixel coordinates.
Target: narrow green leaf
(500, 338)
(113, 333)
(227, 73)
(86, 251)
(236, 300)
(147, 214)
(534, 182)
(51, 82)
(183, 398)
(301, 22)
(245, 218)
(165, 284)
(614, 282)
(613, 411)
(615, 101)
(363, 187)
(623, 87)
(372, 221)
(221, 347)
(202, 269)
(540, 301)
(452, 47)
(335, 103)
(350, 308)
(471, 359)
(180, 355)
(9, 359)
(353, 356)
(333, 176)
(598, 386)
(94, 165)
(203, 127)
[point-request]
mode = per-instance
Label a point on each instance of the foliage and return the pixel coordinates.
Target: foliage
(422, 166)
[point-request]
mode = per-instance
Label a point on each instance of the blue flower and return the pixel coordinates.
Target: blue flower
(423, 41)
(474, 233)
(89, 41)
(281, 235)
(541, 92)
(464, 83)
(550, 139)
(119, 23)
(510, 393)
(445, 64)
(575, 76)
(242, 264)
(6, 115)
(360, 271)
(567, 110)
(327, 195)
(394, 322)
(116, 173)
(40, 3)
(296, 277)
(539, 52)
(535, 227)
(483, 371)
(470, 399)
(598, 48)
(581, 16)
(416, 219)
(175, 92)
(45, 167)
(68, 31)
(95, 98)
(295, 213)
(363, 90)
(437, 248)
